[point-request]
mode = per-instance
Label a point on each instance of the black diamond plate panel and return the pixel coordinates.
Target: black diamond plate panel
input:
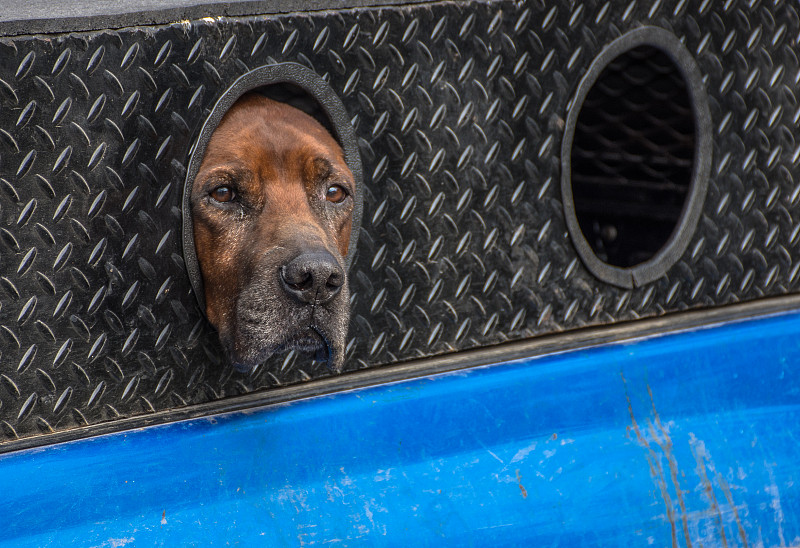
(459, 109)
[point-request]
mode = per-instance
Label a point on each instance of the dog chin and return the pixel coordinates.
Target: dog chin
(254, 347)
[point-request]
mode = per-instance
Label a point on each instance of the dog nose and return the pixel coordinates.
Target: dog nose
(312, 277)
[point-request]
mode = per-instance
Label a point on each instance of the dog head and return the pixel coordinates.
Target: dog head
(272, 208)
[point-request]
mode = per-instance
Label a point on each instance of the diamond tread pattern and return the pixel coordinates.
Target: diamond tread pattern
(459, 110)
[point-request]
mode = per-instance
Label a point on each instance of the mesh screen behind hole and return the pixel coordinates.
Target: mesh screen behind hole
(632, 157)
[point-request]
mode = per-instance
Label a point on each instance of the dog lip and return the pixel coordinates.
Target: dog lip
(313, 340)
(327, 347)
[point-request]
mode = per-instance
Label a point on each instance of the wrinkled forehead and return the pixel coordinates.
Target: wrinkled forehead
(258, 131)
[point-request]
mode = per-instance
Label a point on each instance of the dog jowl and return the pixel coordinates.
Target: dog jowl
(272, 208)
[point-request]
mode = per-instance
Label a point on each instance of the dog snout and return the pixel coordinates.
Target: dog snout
(313, 277)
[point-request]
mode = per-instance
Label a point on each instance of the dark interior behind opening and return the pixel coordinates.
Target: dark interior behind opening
(632, 157)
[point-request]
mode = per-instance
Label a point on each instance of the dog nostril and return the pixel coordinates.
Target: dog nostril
(301, 283)
(335, 281)
(295, 277)
(302, 286)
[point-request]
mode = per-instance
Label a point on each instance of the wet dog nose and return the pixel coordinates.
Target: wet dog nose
(312, 277)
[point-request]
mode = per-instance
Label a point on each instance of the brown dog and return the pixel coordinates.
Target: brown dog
(272, 207)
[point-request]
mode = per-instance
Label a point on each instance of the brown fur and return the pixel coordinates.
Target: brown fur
(279, 161)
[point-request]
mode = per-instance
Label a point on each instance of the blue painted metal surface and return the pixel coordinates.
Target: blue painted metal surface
(684, 439)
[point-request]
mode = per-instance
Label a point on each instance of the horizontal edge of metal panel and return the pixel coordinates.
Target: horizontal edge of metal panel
(48, 17)
(458, 361)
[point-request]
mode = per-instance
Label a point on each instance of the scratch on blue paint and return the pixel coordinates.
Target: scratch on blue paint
(775, 503)
(657, 472)
(524, 452)
(116, 542)
(716, 515)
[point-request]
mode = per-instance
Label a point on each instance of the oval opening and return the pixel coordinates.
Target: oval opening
(636, 158)
(632, 157)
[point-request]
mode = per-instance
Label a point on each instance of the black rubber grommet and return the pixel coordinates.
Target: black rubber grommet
(673, 249)
(269, 75)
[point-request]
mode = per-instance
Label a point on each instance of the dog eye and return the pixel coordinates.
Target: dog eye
(335, 194)
(222, 194)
